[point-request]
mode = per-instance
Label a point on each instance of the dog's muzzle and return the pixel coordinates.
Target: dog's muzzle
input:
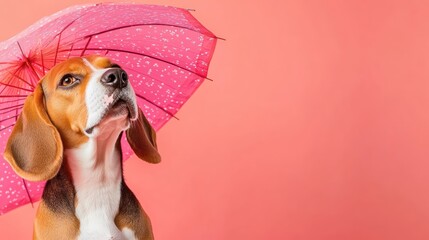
(110, 95)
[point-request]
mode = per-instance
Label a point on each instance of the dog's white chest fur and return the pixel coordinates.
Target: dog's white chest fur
(97, 180)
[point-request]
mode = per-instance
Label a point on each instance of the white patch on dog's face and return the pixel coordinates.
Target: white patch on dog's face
(100, 102)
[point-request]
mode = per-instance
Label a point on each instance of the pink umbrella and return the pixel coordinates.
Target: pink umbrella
(165, 51)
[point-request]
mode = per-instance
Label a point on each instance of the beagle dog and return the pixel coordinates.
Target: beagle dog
(69, 134)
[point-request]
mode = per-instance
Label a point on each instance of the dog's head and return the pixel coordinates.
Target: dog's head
(79, 99)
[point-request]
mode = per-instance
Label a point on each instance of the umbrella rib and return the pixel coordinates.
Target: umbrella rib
(38, 64)
(86, 46)
(4, 128)
(14, 107)
(58, 45)
(13, 86)
(11, 101)
(13, 96)
(40, 70)
(32, 69)
(2, 120)
(28, 193)
(60, 34)
(43, 62)
(156, 105)
(11, 67)
(158, 80)
(9, 80)
(11, 110)
(147, 24)
(28, 62)
(145, 55)
(20, 78)
(65, 28)
(71, 49)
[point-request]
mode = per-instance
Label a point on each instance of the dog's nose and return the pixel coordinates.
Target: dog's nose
(115, 77)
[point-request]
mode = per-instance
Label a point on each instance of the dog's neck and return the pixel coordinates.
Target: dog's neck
(95, 161)
(96, 172)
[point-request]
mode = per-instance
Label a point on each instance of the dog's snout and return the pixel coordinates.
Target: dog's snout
(115, 77)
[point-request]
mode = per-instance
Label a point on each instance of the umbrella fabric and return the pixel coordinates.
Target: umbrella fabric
(165, 51)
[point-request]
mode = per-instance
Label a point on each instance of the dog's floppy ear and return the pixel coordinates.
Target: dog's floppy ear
(34, 149)
(142, 139)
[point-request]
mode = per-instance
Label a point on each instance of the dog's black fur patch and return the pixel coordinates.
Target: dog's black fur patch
(59, 194)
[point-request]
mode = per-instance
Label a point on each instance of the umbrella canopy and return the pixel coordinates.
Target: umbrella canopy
(165, 51)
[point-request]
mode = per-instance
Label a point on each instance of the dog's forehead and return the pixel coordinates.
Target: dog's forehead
(97, 62)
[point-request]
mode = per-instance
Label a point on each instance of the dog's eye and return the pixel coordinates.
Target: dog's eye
(68, 80)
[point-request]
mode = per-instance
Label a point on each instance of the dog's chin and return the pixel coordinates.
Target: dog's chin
(117, 115)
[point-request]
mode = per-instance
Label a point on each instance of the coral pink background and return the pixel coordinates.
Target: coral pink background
(316, 126)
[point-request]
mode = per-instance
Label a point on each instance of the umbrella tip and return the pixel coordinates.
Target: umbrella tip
(220, 38)
(191, 10)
